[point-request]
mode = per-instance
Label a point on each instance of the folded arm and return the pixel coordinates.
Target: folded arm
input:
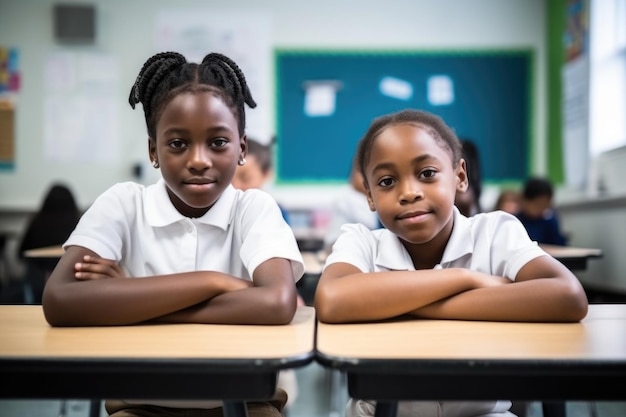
(345, 294)
(272, 299)
(544, 291)
(80, 293)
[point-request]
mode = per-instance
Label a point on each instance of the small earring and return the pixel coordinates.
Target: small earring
(241, 162)
(155, 163)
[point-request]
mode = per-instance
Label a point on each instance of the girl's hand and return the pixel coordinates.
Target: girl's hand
(95, 267)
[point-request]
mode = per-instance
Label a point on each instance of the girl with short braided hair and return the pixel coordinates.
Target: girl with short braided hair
(205, 251)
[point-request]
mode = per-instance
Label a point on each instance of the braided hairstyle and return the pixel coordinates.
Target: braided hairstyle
(167, 74)
(431, 123)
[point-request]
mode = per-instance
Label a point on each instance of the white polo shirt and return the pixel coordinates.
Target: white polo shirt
(495, 243)
(139, 227)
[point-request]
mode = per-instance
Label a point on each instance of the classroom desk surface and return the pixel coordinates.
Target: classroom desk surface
(169, 361)
(473, 360)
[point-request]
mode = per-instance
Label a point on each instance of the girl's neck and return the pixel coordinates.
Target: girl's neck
(429, 254)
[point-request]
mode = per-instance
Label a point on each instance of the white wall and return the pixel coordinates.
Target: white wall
(125, 29)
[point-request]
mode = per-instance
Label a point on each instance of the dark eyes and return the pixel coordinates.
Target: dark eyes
(219, 142)
(425, 175)
(386, 182)
(177, 144)
(180, 144)
(428, 173)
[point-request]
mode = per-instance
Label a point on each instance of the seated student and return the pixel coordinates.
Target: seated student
(51, 225)
(430, 261)
(350, 206)
(190, 248)
(468, 201)
(508, 200)
(258, 171)
(537, 214)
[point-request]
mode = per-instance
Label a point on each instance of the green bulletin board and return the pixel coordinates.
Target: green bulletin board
(491, 106)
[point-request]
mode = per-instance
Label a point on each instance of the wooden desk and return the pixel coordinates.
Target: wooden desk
(233, 363)
(50, 252)
(573, 258)
(471, 360)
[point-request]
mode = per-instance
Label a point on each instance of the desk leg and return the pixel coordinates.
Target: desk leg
(553, 408)
(94, 408)
(235, 409)
(338, 386)
(386, 409)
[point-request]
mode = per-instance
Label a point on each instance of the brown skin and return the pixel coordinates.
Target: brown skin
(197, 146)
(411, 183)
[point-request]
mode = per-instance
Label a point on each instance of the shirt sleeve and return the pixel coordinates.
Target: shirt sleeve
(511, 246)
(102, 226)
(356, 246)
(266, 234)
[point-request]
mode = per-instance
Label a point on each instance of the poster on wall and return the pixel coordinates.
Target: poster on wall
(9, 70)
(9, 85)
(243, 37)
(575, 78)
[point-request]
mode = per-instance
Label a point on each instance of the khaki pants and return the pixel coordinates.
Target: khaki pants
(271, 408)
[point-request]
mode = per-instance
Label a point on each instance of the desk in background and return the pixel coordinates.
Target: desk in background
(169, 361)
(572, 257)
(40, 264)
(473, 360)
(50, 252)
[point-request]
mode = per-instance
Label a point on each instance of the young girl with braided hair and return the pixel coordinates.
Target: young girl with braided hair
(189, 248)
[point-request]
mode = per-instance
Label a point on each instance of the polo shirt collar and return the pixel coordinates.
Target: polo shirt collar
(392, 255)
(160, 211)
(461, 242)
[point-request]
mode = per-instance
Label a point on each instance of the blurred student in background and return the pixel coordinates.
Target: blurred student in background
(350, 207)
(468, 202)
(258, 171)
(508, 200)
(537, 213)
(51, 225)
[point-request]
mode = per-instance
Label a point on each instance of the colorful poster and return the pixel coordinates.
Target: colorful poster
(575, 39)
(575, 78)
(9, 70)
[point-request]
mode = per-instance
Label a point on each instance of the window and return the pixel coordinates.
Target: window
(607, 124)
